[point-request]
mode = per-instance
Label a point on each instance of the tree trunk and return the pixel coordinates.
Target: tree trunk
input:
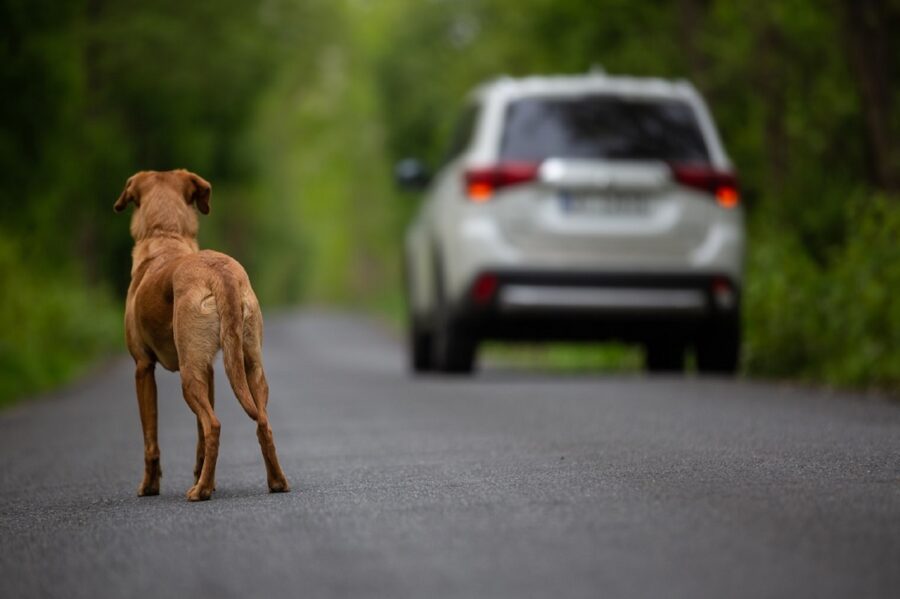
(691, 21)
(868, 29)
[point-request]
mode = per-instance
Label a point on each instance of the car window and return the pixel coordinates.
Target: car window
(462, 134)
(603, 127)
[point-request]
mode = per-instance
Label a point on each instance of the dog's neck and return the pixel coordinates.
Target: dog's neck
(159, 249)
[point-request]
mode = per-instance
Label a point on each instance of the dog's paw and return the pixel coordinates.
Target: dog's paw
(279, 486)
(197, 479)
(147, 490)
(195, 493)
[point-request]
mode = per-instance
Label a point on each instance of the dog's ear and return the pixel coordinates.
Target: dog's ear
(128, 194)
(199, 192)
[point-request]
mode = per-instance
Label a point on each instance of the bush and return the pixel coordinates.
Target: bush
(52, 326)
(836, 321)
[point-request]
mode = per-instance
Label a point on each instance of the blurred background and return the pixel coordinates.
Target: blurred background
(296, 110)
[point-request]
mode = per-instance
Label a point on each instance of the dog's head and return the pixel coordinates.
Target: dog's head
(164, 202)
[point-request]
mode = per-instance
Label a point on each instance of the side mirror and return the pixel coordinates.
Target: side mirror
(411, 174)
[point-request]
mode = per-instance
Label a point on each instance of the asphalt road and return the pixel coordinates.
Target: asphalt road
(513, 484)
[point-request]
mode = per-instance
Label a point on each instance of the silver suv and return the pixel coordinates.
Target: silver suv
(578, 208)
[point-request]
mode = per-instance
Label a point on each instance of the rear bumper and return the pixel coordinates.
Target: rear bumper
(596, 306)
(537, 299)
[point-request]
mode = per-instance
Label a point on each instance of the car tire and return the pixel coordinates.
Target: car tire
(454, 346)
(719, 346)
(420, 346)
(664, 355)
(419, 340)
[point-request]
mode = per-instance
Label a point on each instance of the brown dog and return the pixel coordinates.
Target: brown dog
(184, 305)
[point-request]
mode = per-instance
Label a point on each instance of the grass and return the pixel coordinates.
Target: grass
(566, 357)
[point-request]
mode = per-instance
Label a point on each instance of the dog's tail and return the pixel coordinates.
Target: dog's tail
(228, 300)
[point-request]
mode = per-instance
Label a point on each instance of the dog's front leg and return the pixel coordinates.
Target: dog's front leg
(145, 381)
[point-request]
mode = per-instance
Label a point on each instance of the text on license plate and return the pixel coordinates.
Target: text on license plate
(613, 205)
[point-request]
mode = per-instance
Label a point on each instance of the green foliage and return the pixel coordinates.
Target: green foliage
(781, 304)
(838, 322)
(565, 357)
(864, 323)
(52, 325)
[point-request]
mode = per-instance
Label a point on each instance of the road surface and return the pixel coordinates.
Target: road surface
(513, 484)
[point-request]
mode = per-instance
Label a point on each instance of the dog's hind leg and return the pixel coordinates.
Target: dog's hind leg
(195, 387)
(195, 328)
(259, 388)
(201, 451)
(145, 381)
(198, 465)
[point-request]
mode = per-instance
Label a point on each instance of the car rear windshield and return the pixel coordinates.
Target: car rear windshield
(602, 127)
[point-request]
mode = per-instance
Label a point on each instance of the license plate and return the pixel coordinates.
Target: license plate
(605, 205)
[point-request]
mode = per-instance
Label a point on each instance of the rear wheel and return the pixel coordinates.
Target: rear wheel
(664, 355)
(719, 346)
(419, 339)
(420, 344)
(454, 345)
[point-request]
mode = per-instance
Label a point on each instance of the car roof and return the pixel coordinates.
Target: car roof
(511, 88)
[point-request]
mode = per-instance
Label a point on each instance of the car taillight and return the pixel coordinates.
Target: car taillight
(482, 182)
(722, 185)
(483, 288)
(723, 293)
